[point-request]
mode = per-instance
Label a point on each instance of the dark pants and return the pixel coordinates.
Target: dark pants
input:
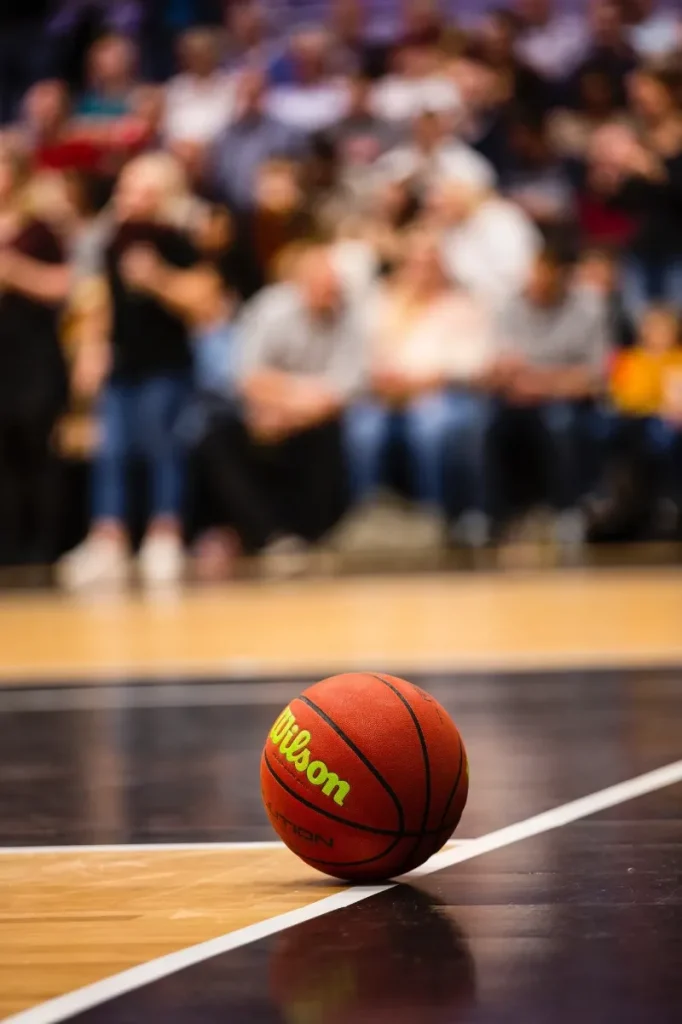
(264, 490)
(654, 446)
(559, 433)
(29, 486)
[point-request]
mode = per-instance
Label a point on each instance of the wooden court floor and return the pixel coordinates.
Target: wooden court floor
(72, 770)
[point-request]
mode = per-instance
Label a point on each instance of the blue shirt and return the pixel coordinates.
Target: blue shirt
(240, 151)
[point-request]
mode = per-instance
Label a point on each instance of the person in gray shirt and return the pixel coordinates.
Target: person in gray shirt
(552, 347)
(252, 138)
(274, 466)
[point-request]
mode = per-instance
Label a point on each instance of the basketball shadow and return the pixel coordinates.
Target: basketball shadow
(398, 956)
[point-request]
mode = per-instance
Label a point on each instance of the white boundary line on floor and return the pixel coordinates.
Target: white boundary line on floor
(64, 1007)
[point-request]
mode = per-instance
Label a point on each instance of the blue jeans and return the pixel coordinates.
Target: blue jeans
(140, 419)
(644, 282)
(439, 431)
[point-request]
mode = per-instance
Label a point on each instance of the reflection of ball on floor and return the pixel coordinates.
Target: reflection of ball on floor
(364, 776)
(397, 958)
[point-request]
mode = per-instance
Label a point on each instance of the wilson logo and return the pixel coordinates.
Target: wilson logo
(292, 742)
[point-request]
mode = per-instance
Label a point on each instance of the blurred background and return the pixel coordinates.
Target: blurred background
(293, 287)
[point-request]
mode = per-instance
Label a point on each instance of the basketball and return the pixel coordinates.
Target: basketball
(364, 776)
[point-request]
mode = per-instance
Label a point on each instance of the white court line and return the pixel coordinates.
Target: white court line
(64, 1007)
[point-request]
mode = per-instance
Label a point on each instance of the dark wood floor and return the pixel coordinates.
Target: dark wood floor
(580, 924)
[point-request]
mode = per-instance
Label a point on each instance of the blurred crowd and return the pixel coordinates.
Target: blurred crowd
(293, 258)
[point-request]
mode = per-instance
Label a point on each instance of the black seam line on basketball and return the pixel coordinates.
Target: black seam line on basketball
(356, 863)
(359, 754)
(456, 783)
(343, 821)
(425, 751)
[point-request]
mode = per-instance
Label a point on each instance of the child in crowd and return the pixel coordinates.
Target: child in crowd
(646, 389)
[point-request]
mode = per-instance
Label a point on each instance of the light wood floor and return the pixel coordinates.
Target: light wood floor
(571, 618)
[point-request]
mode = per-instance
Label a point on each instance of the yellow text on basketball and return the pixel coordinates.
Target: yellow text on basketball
(292, 742)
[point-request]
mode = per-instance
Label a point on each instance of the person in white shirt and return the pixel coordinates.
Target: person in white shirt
(200, 100)
(553, 44)
(489, 243)
(655, 30)
(429, 153)
(429, 347)
(415, 84)
(315, 100)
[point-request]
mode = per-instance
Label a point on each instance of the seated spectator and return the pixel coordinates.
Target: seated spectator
(111, 67)
(654, 27)
(154, 277)
(253, 137)
(360, 138)
(416, 82)
(280, 215)
(429, 347)
(484, 116)
(313, 99)
(536, 180)
(488, 242)
(596, 103)
(356, 52)
(646, 390)
(199, 100)
(47, 129)
(249, 39)
(34, 282)
(276, 469)
(551, 42)
(430, 153)
(610, 52)
(496, 43)
(552, 350)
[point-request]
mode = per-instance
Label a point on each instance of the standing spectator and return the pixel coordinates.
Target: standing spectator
(253, 137)
(654, 28)
(22, 31)
(199, 100)
(34, 281)
(648, 181)
(553, 346)
(552, 43)
(489, 243)
(276, 469)
(111, 68)
(312, 99)
(152, 271)
(429, 346)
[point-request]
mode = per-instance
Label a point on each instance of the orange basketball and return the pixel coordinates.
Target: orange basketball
(364, 776)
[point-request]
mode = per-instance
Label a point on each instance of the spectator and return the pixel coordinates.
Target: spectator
(276, 469)
(551, 43)
(489, 243)
(154, 276)
(416, 82)
(429, 346)
(429, 154)
(647, 172)
(280, 216)
(484, 120)
(553, 345)
(654, 29)
(536, 180)
(111, 67)
(34, 281)
(610, 52)
(312, 99)
(646, 388)
(50, 134)
(253, 137)
(249, 40)
(355, 52)
(597, 102)
(360, 137)
(199, 100)
(496, 44)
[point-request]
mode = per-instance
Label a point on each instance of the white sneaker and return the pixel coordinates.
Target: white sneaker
(97, 562)
(161, 560)
(285, 558)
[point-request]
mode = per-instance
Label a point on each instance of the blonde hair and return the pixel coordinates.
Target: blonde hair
(170, 180)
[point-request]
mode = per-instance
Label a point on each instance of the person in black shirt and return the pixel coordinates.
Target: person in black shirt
(153, 271)
(34, 279)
